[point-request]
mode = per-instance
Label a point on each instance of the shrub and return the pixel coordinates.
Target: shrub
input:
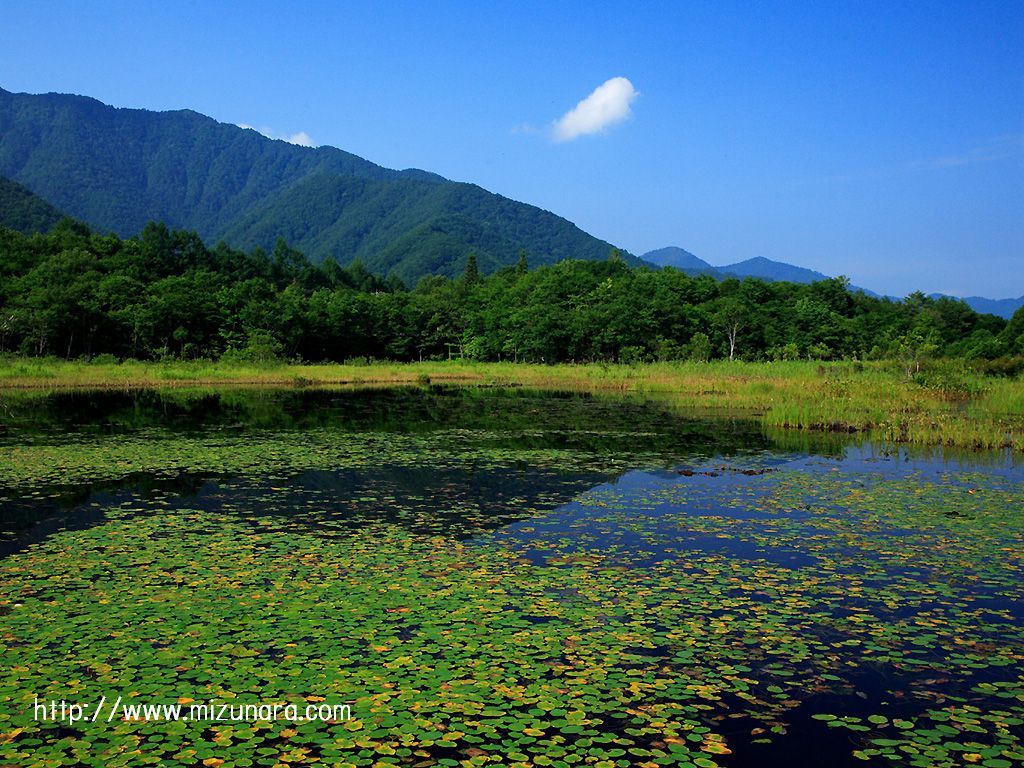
(1007, 365)
(949, 379)
(261, 349)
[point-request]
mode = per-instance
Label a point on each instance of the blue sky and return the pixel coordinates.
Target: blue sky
(884, 141)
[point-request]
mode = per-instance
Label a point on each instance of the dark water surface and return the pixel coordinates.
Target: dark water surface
(727, 596)
(492, 420)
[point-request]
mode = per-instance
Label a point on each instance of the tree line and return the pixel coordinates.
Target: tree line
(163, 293)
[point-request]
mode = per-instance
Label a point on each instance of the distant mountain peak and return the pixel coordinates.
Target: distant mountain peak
(1001, 307)
(769, 269)
(679, 258)
(758, 266)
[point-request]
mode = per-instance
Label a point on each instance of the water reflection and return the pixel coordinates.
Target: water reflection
(509, 420)
(611, 434)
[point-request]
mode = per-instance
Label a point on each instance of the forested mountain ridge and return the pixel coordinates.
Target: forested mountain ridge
(118, 169)
(24, 211)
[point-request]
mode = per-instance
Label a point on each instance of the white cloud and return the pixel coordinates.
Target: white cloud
(525, 128)
(301, 138)
(1001, 148)
(608, 104)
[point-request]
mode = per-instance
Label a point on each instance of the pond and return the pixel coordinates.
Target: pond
(497, 576)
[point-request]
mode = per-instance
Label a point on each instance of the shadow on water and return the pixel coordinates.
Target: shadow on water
(462, 500)
(29, 520)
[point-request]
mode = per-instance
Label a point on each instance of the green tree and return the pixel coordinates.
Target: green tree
(73, 292)
(471, 276)
(1013, 334)
(180, 315)
(912, 348)
(731, 316)
(700, 347)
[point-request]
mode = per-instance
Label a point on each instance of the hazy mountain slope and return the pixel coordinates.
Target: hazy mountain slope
(24, 211)
(679, 258)
(1001, 307)
(767, 269)
(759, 267)
(116, 169)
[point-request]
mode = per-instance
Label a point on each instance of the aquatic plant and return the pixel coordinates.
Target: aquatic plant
(693, 614)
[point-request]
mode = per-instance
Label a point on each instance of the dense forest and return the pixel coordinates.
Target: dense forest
(74, 293)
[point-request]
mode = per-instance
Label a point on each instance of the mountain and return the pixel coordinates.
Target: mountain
(24, 211)
(1002, 307)
(680, 259)
(766, 269)
(759, 267)
(117, 169)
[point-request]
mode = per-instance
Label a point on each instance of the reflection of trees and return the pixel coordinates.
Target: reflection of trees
(595, 434)
(429, 500)
(515, 417)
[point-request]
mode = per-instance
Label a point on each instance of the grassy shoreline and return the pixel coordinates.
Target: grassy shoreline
(952, 407)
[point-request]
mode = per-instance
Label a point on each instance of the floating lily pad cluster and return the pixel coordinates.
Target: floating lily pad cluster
(481, 604)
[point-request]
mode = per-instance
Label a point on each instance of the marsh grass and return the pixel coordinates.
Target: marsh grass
(949, 406)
